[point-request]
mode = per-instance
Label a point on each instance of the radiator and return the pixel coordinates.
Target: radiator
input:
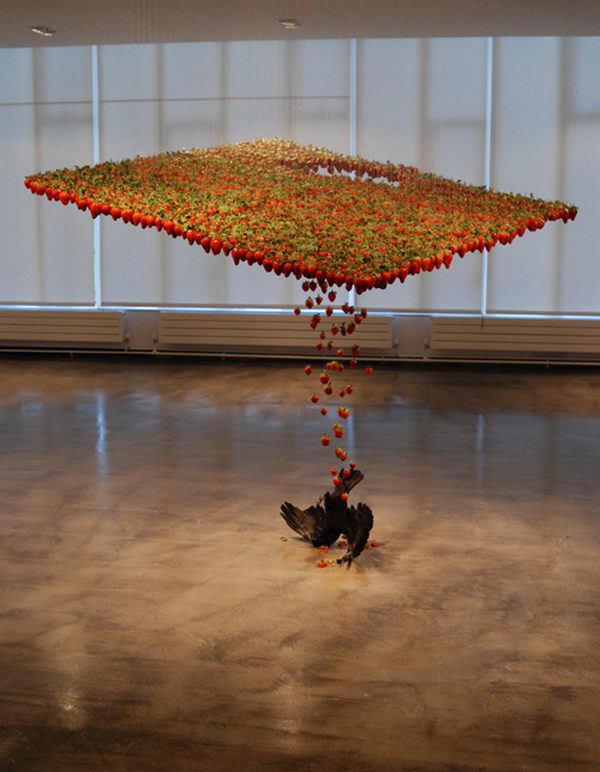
(59, 329)
(489, 334)
(283, 333)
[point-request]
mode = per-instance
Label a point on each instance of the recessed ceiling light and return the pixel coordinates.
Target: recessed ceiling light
(289, 23)
(47, 32)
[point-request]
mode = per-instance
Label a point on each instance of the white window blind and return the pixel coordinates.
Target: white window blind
(420, 102)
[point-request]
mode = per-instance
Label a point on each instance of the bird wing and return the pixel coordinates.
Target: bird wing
(360, 522)
(312, 523)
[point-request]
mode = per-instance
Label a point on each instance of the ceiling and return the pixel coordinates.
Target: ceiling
(152, 21)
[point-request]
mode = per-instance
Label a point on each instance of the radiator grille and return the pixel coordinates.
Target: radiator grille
(61, 328)
(278, 332)
(488, 334)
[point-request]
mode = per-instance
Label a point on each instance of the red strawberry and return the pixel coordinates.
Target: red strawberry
(297, 311)
(325, 439)
(328, 389)
(344, 496)
(322, 564)
(332, 295)
(329, 310)
(333, 471)
(308, 369)
(369, 370)
(215, 246)
(323, 411)
(309, 302)
(315, 398)
(349, 389)
(338, 430)
(324, 378)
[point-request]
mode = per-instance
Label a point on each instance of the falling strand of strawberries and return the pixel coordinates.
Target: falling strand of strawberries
(329, 339)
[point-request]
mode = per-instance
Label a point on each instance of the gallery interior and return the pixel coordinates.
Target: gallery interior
(155, 411)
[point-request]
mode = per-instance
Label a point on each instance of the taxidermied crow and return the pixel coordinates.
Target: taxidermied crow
(323, 523)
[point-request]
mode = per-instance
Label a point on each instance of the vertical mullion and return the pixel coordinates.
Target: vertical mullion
(95, 160)
(487, 159)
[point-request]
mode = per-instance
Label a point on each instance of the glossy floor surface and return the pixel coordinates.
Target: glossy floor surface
(154, 618)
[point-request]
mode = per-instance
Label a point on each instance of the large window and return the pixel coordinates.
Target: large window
(520, 114)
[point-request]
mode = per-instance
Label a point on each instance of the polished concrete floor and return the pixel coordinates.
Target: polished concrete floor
(156, 614)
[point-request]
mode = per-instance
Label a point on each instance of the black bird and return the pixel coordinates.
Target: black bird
(325, 522)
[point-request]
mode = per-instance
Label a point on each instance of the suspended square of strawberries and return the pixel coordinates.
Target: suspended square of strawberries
(264, 202)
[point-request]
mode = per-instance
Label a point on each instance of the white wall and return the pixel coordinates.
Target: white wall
(422, 102)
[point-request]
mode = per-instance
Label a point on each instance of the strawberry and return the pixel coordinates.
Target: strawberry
(338, 430)
(328, 389)
(369, 370)
(333, 471)
(315, 398)
(343, 412)
(325, 439)
(318, 346)
(337, 482)
(308, 369)
(324, 378)
(342, 393)
(332, 295)
(344, 496)
(322, 564)
(297, 311)
(323, 411)
(329, 310)
(309, 303)
(349, 389)
(352, 464)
